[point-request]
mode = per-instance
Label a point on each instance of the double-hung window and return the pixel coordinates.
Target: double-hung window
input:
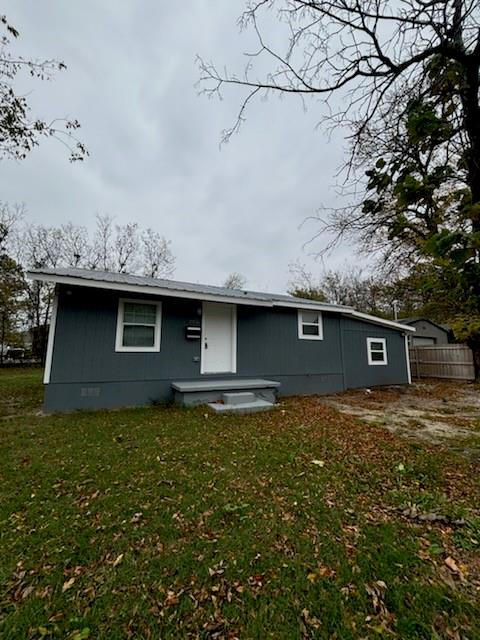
(310, 325)
(138, 325)
(377, 351)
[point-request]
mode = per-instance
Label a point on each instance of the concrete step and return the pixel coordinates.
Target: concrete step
(238, 398)
(190, 393)
(245, 407)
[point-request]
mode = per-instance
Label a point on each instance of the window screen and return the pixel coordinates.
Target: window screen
(138, 326)
(310, 325)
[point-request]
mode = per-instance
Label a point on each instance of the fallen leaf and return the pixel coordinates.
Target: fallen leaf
(118, 560)
(312, 621)
(136, 517)
(452, 565)
(171, 599)
(326, 572)
(26, 592)
(68, 584)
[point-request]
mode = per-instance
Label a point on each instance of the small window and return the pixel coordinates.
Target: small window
(138, 326)
(310, 325)
(377, 351)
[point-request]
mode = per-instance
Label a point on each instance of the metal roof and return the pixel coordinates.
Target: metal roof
(413, 320)
(174, 288)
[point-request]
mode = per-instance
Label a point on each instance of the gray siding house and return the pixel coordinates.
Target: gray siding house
(121, 340)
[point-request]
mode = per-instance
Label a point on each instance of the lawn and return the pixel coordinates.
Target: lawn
(171, 523)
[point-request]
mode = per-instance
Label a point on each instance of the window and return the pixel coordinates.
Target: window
(138, 326)
(310, 325)
(377, 351)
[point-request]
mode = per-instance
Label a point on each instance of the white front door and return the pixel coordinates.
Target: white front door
(219, 338)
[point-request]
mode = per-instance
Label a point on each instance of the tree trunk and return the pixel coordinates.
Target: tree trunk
(476, 360)
(471, 108)
(2, 338)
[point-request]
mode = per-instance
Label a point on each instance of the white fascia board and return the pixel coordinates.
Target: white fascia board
(137, 288)
(380, 321)
(210, 297)
(313, 307)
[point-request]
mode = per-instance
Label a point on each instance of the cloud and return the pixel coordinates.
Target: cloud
(154, 143)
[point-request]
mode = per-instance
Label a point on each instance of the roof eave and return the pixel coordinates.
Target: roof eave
(381, 321)
(145, 289)
(38, 274)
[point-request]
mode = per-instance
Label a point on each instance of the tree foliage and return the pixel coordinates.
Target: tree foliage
(426, 291)
(12, 282)
(349, 287)
(235, 280)
(20, 132)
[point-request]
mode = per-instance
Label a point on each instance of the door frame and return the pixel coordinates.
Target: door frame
(233, 347)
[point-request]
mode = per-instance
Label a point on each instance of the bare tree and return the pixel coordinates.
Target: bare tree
(75, 245)
(235, 280)
(126, 245)
(40, 247)
(115, 247)
(350, 287)
(373, 57)
(158, 259)
(101, 255)
(11, 217)
(303, 284)
(112, 247)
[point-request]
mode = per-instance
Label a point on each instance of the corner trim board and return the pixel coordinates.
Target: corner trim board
(407, 358)
(50, 341)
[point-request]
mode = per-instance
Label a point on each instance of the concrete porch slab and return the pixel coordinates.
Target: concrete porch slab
(227, 384)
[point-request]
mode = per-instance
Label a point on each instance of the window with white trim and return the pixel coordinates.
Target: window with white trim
(310, 326)
(377, 351)
(138, 325)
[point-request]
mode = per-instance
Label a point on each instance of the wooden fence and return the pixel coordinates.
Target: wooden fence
(452, 361)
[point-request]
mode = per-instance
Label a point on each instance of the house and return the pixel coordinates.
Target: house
(122, 340)
(427, 332)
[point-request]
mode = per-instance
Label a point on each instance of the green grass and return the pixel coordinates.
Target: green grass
(21, 390)
(171, 523)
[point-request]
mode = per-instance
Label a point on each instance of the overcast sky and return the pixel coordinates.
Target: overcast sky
(154, 143)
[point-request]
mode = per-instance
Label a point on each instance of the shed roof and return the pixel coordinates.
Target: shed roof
(414, 320)
(174, 288)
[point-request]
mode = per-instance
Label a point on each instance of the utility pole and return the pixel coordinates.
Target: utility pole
(395, 310)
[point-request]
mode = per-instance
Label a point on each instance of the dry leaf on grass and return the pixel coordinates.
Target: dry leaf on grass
(452, 565)
(68, 584)
(118, 560)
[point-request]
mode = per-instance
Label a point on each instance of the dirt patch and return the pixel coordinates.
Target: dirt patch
(437, 412)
